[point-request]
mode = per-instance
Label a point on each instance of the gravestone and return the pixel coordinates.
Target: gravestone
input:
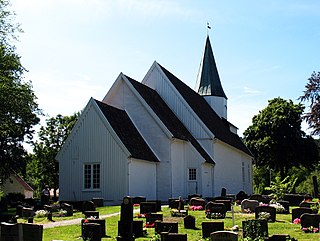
(88, 206)
(189, 222)
(286, 206)
(196, 201)
(173, 202)
(226, 202)
(98, 202)
(158, 204)
(215, 210)
(170, 227)
(68, 208)
(297, 212)
(279, 237)
(125, 224)
(315, 186)
(152, 217)
(19, 210)
(148, 207)
(101, 222)
(209, 227)
(255, 228)
(138, 199)
(165, 236)
(27, 212)
(223, 192)
(294, 199)
(137, 227)
(308, 220)
(10, 232)
(223, 236)
(32, 232)
(89, 214)
(91, 232)
(266, 209)
(249, 205)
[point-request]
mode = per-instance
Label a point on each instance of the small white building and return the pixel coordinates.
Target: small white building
(15, 184)
(157, 138)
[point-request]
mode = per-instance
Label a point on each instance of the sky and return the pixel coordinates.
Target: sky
(75, 49)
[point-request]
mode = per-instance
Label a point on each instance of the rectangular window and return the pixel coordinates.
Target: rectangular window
(192, 174)
(91, 176)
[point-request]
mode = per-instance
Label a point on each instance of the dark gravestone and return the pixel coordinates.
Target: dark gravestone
(209, 227)
(158, 204)
(91, 231)
(177, 204)
(138, 200)
(125, 225)
(223, 192)
(165, 236)
(101, 222)
(215, 210)
(88, 206)
(308, 220)
(32, 232)
(91, 214)
(170, 227)
(173, 202)
(10, 232)
(223, 236)
(98, 202)
(279, 237)
(196, 201)
(286, 206)
(297, 212)
(189, 222)
(148, 207)
(68, 208)
(249, 205)
(266, 209)
(152, 217)
(226, 202)
(293, 199)
(315, 186)
(313, 205)
(137, 228)
(255, 228)
(27, 212)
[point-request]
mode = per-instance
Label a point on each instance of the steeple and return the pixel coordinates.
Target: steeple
(208, 82)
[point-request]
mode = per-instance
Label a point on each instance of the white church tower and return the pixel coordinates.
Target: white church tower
(208, 82)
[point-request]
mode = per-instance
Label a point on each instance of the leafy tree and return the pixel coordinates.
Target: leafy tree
(43, 169)
(312, 95)
(18, 108)
(275, 137)
(280, 187)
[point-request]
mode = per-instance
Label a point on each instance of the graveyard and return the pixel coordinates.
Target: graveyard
(220, 218)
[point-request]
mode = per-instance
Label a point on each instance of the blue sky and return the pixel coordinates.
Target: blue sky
(75, 49)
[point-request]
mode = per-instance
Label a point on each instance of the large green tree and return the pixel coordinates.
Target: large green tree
(43, 169)
(18, 107)
(276, 140)
(312, 96)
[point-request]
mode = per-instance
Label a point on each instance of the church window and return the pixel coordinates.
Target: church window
(192, 174)
(92, 176)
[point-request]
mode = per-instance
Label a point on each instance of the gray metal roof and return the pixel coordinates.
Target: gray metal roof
(208, 80)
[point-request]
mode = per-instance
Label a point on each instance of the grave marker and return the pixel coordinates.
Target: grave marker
(125, 224)
(255, 228)
(223, 236)
(209, 227)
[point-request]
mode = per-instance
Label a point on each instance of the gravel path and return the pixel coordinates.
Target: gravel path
(73, 221)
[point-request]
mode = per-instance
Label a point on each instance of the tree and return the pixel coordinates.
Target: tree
(276, 140)
(312, 95)
(43, 169)
(18, 108)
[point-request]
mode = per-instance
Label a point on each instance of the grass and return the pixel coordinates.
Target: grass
(283, 225)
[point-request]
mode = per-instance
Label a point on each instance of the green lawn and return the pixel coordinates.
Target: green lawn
(281, 226)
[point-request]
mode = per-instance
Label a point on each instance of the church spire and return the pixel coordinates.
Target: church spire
(208, 80)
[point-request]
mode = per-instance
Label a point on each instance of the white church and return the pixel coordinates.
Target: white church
(156, 138)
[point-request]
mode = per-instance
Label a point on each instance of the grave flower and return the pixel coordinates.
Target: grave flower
(310, 229)
(264, 215)
(296, 221)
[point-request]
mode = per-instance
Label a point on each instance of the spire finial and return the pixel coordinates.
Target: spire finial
(208, 27)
